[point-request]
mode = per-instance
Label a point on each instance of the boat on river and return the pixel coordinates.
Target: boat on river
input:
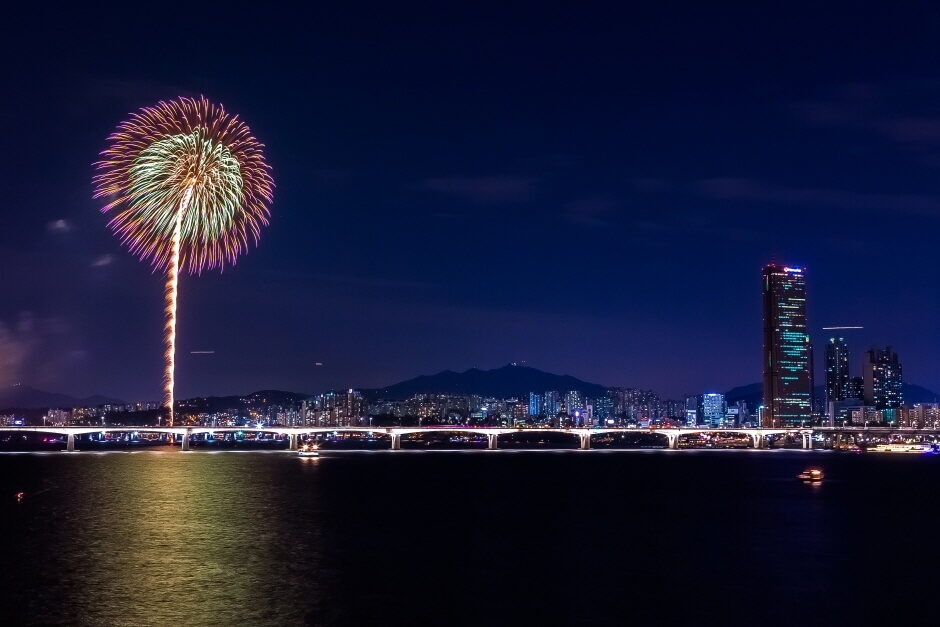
(903, 447)
(309, 450)
(811, 475)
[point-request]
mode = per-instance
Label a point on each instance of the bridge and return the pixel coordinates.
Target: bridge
(756, 436)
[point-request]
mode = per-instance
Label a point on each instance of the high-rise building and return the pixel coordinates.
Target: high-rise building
(856, 388)
(882, 375)
(837, 370)
(574, 401)
(811, 360)
(603, 409)
(713, 409)
(788, 382)
(550, 403)
(692, 412)
(739, 413)
(535, 404)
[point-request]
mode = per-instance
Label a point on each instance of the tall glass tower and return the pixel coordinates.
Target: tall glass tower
(837, 370)
(788, 380)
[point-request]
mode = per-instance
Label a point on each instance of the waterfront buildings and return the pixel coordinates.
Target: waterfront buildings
(922, 416)
(788, 383)
(335, 408)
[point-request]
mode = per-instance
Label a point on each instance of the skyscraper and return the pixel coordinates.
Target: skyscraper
(837, 370)
(535, 404)
(882, 374)
(713, 409)
(788, 383)
(550, 403)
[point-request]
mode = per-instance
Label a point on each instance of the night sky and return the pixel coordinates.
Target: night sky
(586, 189)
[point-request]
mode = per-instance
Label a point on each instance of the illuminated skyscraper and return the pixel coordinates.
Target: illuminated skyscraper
(882, 373)
(535, 404)
(788, 380)
(837, 370)
(713, 409)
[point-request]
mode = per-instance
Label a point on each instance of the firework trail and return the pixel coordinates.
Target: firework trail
(187, 187)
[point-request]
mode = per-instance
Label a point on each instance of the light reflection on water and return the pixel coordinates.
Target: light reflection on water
(481, 537)
(165, 539)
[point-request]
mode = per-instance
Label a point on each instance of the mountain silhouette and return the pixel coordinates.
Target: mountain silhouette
(506, 382)
(26, 397)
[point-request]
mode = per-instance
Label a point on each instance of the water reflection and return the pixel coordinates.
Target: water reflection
(174, 539)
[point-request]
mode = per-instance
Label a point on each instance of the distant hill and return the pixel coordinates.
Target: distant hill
(25, 397)
(508, 381)
(753, 394)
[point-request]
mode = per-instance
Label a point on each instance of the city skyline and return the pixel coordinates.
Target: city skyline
(591, 192)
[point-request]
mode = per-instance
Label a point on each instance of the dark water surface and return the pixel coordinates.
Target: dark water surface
(467, 538)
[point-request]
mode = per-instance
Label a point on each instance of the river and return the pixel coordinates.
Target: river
(652, 537)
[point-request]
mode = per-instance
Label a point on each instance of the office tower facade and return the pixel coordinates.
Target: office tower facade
(713, 409)
(788, 382)
(882, 375)
(837, 370)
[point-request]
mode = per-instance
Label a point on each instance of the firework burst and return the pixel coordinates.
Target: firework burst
(187, 188)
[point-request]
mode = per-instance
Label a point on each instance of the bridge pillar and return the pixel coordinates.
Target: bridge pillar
(807, 440)
(585, 441)
(758, 440)
(292, 441)
(491, 441)
(185, 439)
(396, 441)
(70, 446)
(673, 440)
